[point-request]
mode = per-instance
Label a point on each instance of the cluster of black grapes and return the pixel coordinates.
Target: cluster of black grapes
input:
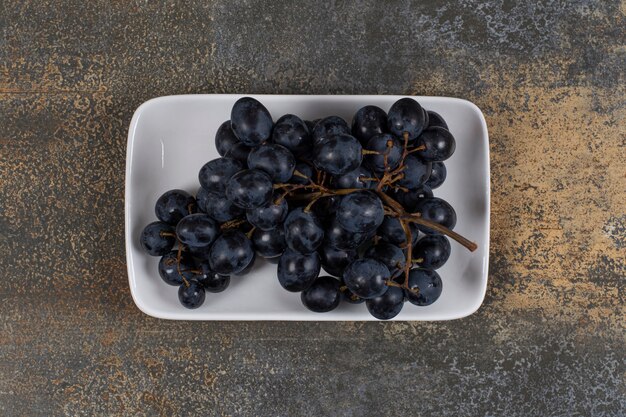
(313, 194)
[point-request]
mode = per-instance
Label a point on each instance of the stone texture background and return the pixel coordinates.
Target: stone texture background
(550, 337)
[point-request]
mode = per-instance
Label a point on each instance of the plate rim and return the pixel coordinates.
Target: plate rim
(240, 316)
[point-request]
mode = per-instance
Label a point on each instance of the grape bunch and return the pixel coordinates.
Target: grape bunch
(354, 200)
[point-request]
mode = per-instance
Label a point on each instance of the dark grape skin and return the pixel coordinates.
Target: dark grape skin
(328, 127)
(439, 143)
(366, 278)
(323, 295)
(239, 151)
(429, 284)
(348, 296)
(334, 261)
(214, 175)
(269, 243)
(391, 231)
(388, 305)
(435, 120)
(367, 122)
(157, 238)
(191, 296)
(169, 268)
(406, 115)
(379, 143)
(303, 231)
(436, 210)
(225, 138)
(390, 255)
(338, 237)
(296, 272)
(326, 207)
(437, 176)
(311, 124)
(210, 280)
(338, 154)
(302, 168)
(250, 265)
(415, 173)
(409, 199)
(270, 215)
(354, 179)
(231, 253)
(432, 250)
(249, 189)
(275, 160)
(196, 230)
(292, 133)
(217, 206)
(250, 121)
(360, 212)
(173, 205)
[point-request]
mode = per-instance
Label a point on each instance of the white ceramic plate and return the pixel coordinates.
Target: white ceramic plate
(170, 138)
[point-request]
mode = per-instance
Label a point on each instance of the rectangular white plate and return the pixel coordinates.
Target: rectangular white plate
(170, 138)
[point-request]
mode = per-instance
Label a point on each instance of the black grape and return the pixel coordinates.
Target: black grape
(303, 231)
(231, 253)
(406, 115)
(251, 121)
(428, 283)
(292, 133)
(157, 238)
(439, 142)
(225, 138)
(435, 120)
(367, 278)
(368, 121)
(437, 175)
(436, 210)
(322, 296)
(296, 272)
(388, 305)
(269, 243)
(173, 205)
(360, 212)
(214, 175)
(197, 230)
(432, 252)
(338, 154)
(249, 189)
(191, 296)
(329, 127)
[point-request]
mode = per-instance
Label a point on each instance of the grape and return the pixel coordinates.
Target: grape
(270, 215)
(326, 207)
(157, 238)
(239, 151)
(303, 231)
(329, 127)
(440, 144)
(249, 189)
(433, 251)
(292, 133)
(302, 168)
(231, 253)
(338, 237)
(217, 206)
(214, 175)
(173, 205)
(369, 121)
(169, 267)
(391, 231)
(348, 296)
(429, 284)
(251, 121)
(334, 261)
(437, 175)
(415, 173)
(225, 138)
(269, 243)
(409, 199)
(338, 154)
(210, 280)
(436, 210)
(366, 278)
(311, 124)
(390, 255)
(379, 143)
(360, 212)
(406, 115)
(388, 305)
(275, 160)
(322, 296)
(435, 120)
(296, 272)
(354, 179)
(191, 296)
(250, 265)
(197, 230)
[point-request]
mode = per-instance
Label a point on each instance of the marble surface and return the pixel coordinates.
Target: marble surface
(550, 337)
